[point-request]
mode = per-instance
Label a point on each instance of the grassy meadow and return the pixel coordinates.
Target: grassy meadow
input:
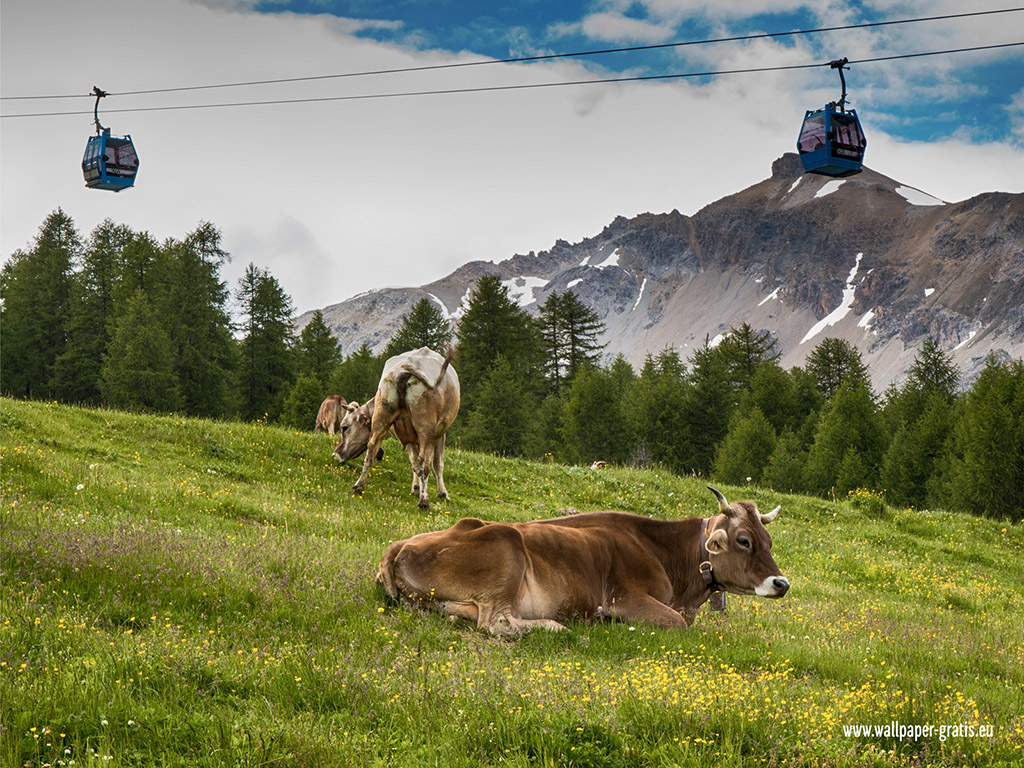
(180, 592)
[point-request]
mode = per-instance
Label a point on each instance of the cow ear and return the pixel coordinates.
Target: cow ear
(718, 542)
(767, 518)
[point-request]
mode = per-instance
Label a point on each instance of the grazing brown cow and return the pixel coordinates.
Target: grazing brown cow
(511, 577)
(417, 401)
(332, 411)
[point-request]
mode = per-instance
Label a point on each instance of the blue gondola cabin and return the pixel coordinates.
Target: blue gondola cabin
(831, 142)
(110, 162)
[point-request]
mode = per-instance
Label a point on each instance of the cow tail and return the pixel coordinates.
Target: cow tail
(402, 384)
(444, 365)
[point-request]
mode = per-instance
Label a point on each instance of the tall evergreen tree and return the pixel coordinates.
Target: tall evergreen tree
(358, 376)
(785, 468)
(746, 449)
(569, 336)
(422, 326)
(138, 369)
(709, 405)
(192, 302)
(494, 324)
(95, 290)
(318, 352)
(743, 350)
(35, 288)
(834, 362)
(595, 425)
(986, 449)
(933, 373)
(500, 423)
(302, 402)
(266, 369)
(850, 422)
(658, 411)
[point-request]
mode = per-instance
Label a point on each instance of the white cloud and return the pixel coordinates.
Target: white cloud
(614, 27)
(341, 197)
(1016, 110)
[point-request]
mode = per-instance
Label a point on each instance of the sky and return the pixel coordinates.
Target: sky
(335, 196)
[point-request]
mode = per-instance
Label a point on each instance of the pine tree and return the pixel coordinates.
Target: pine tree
(95, 290)
(834, 362)
(358, 376)
(569, 336)
(785, 468)
(138, 371)
(191, 300)
(595, 426)
(35, 288)
(266, 369)
(422, 326)
(302, 402)
(746, 449)
(986, 450)
(493, 324)
(317, 351)
(772, 391)
(658, 412)
(710, 401)
(499, 423)
(743, 350)
(932, 374)
(851, 420)
(915, 452)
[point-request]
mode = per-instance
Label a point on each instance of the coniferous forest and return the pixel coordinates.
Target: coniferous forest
(119, 320)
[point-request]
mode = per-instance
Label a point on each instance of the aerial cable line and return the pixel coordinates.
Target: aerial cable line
(544, 57)
(520, 86)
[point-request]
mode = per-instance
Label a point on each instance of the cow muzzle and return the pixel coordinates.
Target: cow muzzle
(773, 587)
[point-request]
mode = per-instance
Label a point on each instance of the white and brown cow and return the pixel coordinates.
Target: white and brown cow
(330, 415)
(417, 401)
(511, 577)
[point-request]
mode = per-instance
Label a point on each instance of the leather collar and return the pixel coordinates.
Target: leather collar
(707, 570)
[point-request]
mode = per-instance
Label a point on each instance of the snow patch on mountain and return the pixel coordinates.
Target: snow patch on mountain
(441, 304)
(640, 295)
(830, 187)
(520, 289)
(917, 197)
(844, 307)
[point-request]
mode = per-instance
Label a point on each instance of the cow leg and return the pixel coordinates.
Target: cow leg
(442, 492)
(422, 470)
(411, 450)
(647, 609)
(503, 623)
(376, 438)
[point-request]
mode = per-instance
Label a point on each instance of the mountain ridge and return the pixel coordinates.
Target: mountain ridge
(866, 258)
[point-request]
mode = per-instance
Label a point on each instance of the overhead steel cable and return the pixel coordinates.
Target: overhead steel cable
(518, 86)
(524, 59)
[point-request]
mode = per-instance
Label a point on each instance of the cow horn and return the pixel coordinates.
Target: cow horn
(723, 505)
(767, 518)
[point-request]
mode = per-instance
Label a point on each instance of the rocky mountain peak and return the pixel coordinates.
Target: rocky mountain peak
(866, 258)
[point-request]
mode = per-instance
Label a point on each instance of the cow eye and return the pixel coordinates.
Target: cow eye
(743, 541)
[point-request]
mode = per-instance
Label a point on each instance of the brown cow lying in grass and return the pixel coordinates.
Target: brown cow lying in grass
(511, 577)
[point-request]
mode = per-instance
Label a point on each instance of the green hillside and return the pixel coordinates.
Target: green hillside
(197, 593)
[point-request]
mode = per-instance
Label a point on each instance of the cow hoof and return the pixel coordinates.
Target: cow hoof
(442, 496)
(357, 490)
(424, 504)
